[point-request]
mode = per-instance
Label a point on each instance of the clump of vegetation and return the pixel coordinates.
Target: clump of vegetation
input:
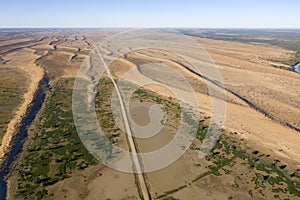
(255, 173)
(54, 150)
(266, 175)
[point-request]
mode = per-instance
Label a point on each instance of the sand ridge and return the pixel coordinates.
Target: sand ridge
(269, 130)
(25, 60)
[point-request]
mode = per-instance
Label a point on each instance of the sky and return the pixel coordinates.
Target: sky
(150, 13)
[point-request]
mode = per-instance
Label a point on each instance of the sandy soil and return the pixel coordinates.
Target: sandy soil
(268, 88)
(24, 60)
(98, 182)
(247, 71)
(274, 90)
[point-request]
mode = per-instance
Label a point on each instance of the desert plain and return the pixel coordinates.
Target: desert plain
(257, 157)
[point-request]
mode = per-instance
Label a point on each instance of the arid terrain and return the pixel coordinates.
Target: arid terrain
(256, 157)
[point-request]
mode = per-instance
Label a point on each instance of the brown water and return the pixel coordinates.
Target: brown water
(172, 176)
(140, 115)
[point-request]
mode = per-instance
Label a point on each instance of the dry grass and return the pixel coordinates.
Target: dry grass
(13, 84)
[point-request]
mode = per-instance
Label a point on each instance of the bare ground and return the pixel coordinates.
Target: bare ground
(270, 125)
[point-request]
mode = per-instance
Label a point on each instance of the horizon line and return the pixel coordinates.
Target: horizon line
(141, 27)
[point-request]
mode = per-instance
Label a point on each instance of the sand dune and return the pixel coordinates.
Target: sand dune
(35, 73)
(249, 84)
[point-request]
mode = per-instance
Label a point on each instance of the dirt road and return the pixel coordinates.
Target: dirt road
(137, 165)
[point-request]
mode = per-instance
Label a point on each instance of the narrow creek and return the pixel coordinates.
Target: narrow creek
(296, 67)
(22, 133)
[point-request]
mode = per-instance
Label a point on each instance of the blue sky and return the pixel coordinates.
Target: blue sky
(151, 13)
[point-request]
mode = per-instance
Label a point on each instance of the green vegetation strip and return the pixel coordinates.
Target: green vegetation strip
(54, 150)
